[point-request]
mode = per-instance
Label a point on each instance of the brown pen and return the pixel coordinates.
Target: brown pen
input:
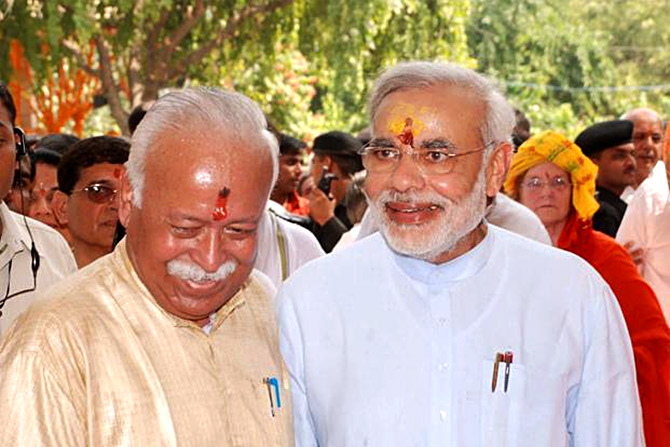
(496, 364)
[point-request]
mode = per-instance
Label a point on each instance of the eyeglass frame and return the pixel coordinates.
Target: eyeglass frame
(414, 152)
(551, 183)
(86, 189)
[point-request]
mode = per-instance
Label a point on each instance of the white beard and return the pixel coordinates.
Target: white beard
(428, 241)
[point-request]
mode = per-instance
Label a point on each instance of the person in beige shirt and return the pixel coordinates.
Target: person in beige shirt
(171, 339)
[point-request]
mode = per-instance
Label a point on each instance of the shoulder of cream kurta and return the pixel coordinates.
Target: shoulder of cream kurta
(100, 363)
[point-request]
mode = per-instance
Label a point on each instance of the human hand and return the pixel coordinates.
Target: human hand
(635, 252)
(321, 206)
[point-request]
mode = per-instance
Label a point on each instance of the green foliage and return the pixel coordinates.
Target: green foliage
(310, 63)
(329, 50)
(558, 60)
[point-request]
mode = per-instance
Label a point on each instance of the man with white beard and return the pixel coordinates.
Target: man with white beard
(171, 339)
(444, 330)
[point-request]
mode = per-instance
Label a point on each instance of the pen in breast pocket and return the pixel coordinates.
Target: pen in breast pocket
(273, 392)
(508, 359)
(496, 365)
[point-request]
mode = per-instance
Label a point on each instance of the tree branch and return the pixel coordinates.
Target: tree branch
(151, 42)
(179, 67)
(74, 49)
(109, 86)
(182, 30)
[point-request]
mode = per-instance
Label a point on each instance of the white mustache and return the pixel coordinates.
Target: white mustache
(189, 271)
(413, 197)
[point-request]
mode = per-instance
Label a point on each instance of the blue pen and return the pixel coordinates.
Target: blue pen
(271, 383)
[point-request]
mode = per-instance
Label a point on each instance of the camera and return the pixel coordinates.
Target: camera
(325, 181)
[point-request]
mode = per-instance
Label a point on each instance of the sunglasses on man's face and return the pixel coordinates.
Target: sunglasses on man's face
(98, 193)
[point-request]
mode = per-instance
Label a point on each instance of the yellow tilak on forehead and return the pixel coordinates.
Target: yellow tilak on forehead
(401, 114)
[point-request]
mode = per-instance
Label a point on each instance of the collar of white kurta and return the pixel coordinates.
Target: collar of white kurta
(122, 260)
(15, 238)
(458, 269)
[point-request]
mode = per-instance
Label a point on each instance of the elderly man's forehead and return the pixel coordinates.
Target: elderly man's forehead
(644, 116)
(219, 141)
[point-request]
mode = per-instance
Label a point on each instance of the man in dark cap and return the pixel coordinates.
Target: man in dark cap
(335, 156)
(609, 145)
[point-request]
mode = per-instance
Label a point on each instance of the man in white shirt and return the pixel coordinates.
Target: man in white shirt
(646, 226)
(32, 255)
(283, 246)
(443, 330)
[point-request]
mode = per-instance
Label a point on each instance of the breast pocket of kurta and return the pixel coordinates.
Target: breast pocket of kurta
(528, 410)
(501, 407)
(274, 402)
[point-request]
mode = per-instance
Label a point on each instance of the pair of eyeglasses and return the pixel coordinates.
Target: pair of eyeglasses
(98, 193)
(431, 160)
(536, 184)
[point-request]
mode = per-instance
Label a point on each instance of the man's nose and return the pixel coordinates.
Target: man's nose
(210, 253)
(407, 174)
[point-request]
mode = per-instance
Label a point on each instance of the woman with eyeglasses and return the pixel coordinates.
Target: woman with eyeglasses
(551, 176)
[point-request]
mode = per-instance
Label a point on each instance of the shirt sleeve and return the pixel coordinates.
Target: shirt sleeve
(605, 409)
(40, 405)
(650, 338)
(290, 339)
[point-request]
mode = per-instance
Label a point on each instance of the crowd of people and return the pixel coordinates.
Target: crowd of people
(445, 277)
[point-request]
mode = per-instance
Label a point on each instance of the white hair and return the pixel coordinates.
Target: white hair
(201, 107)
(499, 119)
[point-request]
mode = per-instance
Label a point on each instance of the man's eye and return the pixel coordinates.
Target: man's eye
(185, 231)
(656, 138)
(435, 156)
(384, 154)
(240, 232)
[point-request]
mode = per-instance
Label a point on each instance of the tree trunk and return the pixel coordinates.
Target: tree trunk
(111, 89)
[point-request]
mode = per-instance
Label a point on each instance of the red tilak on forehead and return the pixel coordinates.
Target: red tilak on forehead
(221, 207)
(407, 134)
(117, 172)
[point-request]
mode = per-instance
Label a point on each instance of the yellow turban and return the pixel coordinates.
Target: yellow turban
(557, 149)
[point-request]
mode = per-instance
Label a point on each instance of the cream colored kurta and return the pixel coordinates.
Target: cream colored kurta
(101, 364)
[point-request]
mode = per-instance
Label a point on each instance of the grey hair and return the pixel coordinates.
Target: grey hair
(207, 106)
(499, 119)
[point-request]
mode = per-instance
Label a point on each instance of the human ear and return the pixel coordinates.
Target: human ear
(125, 199)
(496, 168)
(59, 207)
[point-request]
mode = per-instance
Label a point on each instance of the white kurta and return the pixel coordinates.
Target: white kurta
(56, 262)
(386, 350)
(647, 224)
(515, 217)
(299, 245)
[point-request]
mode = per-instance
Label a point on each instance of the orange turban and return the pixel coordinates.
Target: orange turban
(559, 150)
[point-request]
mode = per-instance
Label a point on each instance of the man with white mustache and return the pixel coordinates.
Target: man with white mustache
(171, 339)
(444, 330)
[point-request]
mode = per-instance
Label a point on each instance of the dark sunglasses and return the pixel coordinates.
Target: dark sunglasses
(98, 193)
